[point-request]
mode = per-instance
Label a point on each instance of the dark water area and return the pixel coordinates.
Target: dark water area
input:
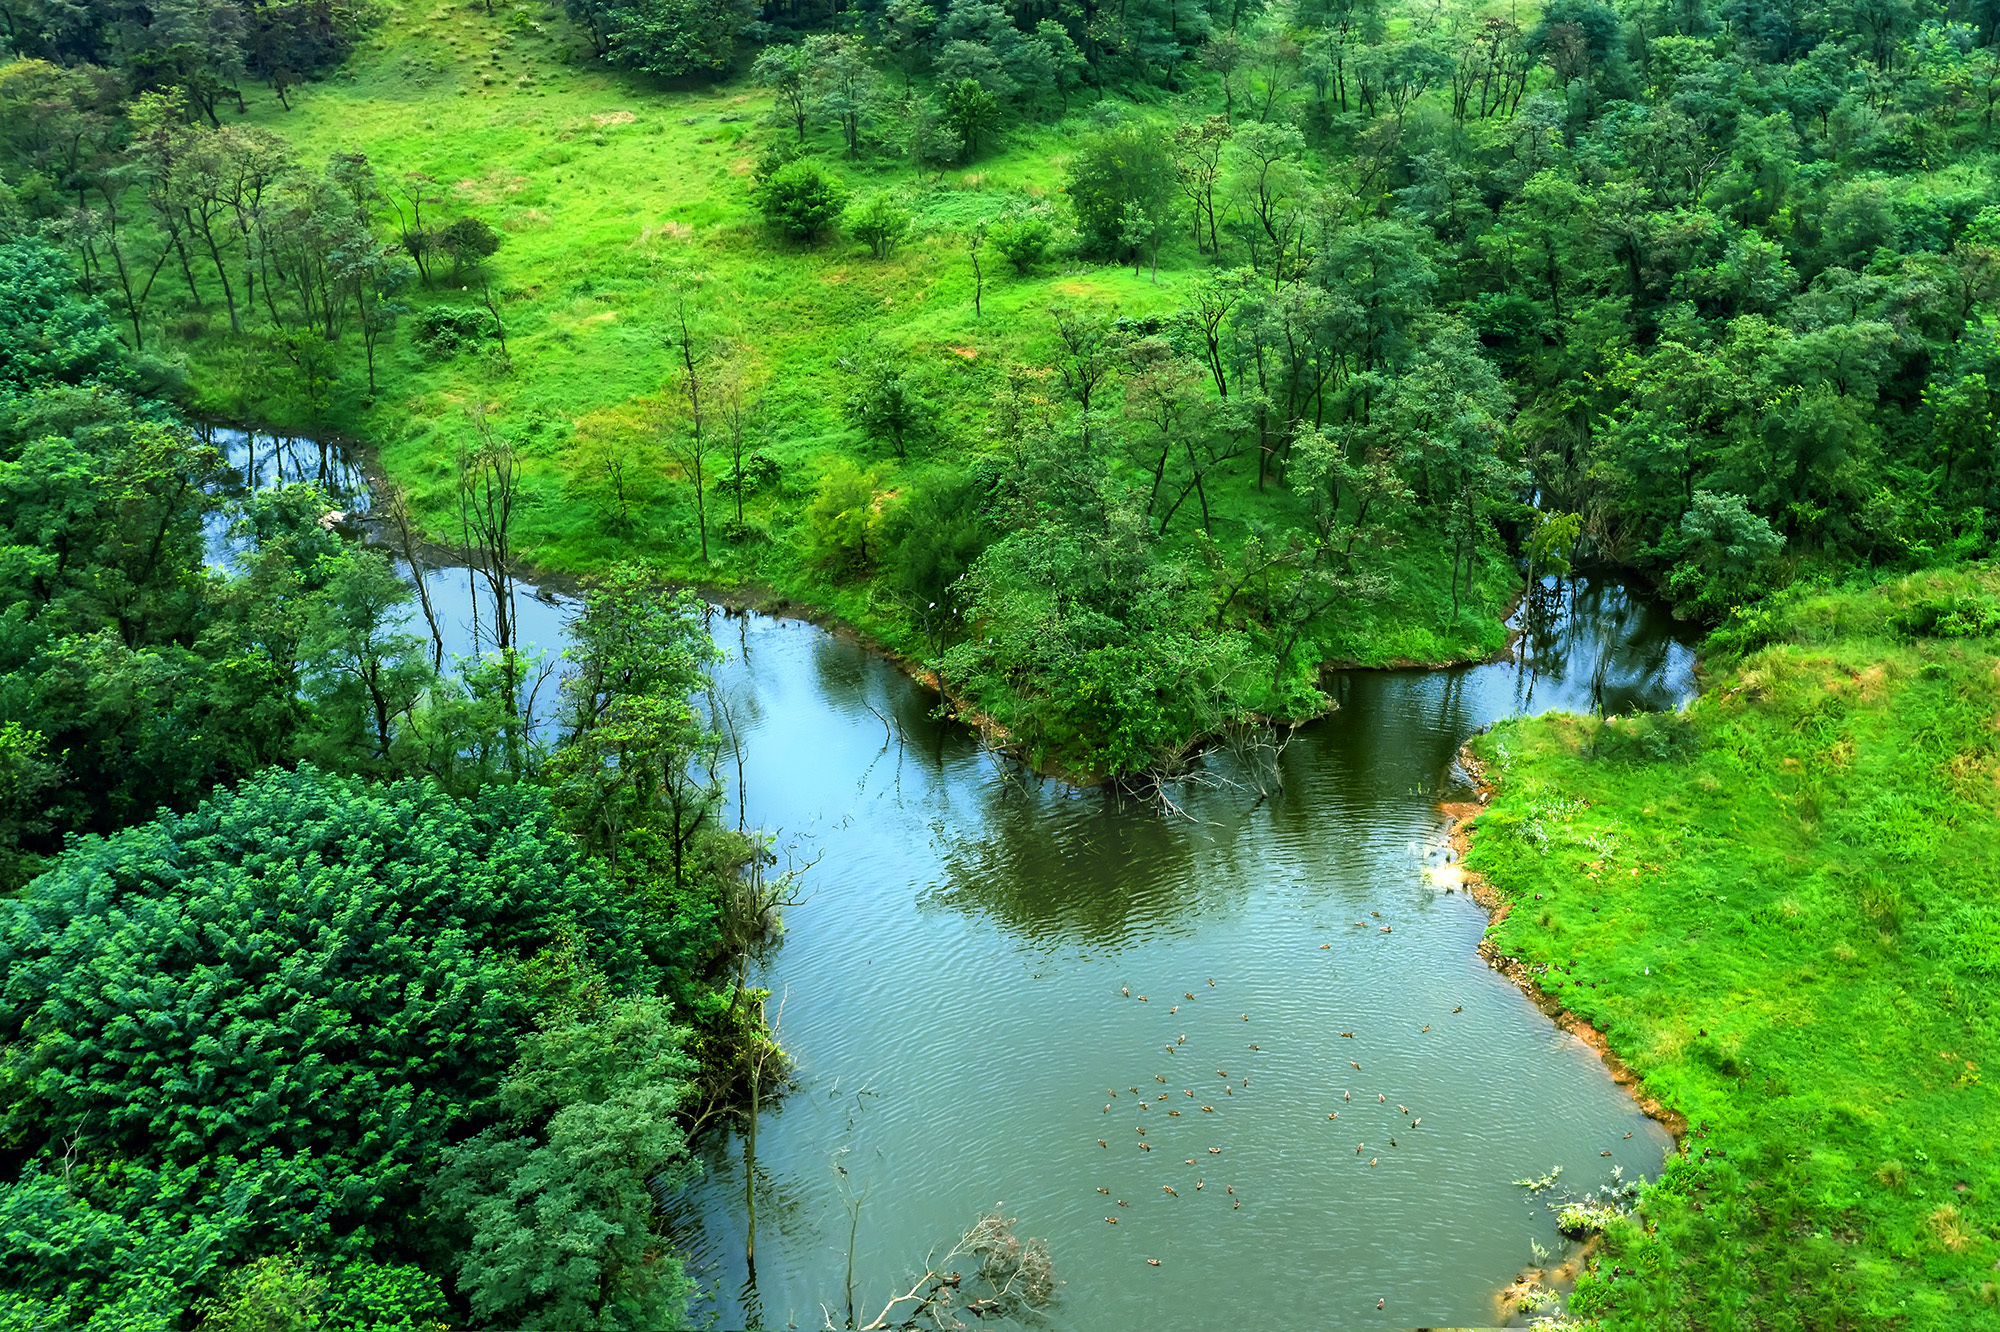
(953, 992)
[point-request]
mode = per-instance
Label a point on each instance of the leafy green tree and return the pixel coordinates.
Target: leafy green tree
(970, 112)
(631, 774)
(470, 241)
(48, 334)
(279, 1292)
(358, 1013)
(802, 201)
(1125, 165)
(843, 517)
(880, 225)
(1447, 416)
(889, 404)
(366, 672)
(1022, 239)
(668, 38)
(933, 540)
(844, 83)
(1725, 548)
(560, 1220)
(787, 72)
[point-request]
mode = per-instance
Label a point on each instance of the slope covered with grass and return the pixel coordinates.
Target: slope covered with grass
(1781, 909)
(614, 195)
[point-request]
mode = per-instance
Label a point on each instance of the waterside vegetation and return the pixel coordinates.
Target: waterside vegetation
(1778, 908)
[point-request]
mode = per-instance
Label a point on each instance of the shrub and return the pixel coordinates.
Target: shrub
(801, 200)
(842, 520)
(1948, 615)
(880, 224)
(468, 241)
(1022, 239)
(446, 330)
(889, 404)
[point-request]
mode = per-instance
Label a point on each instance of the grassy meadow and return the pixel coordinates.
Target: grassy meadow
(1781, 910)
(615, 194)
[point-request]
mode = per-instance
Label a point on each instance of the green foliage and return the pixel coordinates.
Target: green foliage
(469, 241)
(889, 404)
(558, 1222)
(667, 38)
(447, 330)
(1778, 908)
(1121, 168)
(801, 200)
(880, 225)
(299, 993)
(1022, 239)
(843, 518)
(48, 335)
(279, 1292)
(969, 111)
(1727, 547)
(934, 538)
(633, 775)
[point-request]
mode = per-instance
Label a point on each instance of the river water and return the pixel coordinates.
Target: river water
(986, 965)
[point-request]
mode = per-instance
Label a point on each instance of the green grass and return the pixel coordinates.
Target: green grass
(610, 190)
(1782, 911)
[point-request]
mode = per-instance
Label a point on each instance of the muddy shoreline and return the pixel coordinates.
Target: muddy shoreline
(1458, 831)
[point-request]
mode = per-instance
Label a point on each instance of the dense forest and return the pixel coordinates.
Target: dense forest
(341, 978)
(1698, 291)
(1121, 367)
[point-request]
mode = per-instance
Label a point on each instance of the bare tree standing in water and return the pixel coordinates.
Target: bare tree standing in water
(399, 514)
(488, 489)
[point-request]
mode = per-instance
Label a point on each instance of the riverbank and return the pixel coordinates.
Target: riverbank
(829, 520)
(1776, 912)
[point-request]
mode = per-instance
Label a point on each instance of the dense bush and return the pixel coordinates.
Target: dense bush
(446, 330)
(278, 1012)
(801, 200)
(670, 38)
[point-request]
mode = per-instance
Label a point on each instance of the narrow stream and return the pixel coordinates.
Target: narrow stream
(954, 991)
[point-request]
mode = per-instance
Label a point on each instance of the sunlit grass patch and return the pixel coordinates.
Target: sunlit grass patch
(1789, 925)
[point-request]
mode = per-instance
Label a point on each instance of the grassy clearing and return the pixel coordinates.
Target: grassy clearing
(610, 192)
(1781, 909)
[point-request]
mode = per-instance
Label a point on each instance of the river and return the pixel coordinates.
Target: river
(986, 965)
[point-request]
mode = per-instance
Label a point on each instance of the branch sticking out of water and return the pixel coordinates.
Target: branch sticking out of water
(1015, 1277)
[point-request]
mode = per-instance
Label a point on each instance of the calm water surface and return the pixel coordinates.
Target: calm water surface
(954, 993)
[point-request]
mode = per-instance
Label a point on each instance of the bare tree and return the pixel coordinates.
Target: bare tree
(732, 386)
(1014, 1277)
(489, 489)
(399, 514)
(691, 447)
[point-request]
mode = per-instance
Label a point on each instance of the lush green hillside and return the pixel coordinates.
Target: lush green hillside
(1781, 910)
(1129, 364)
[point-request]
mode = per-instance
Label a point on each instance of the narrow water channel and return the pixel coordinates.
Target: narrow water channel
(954, 991)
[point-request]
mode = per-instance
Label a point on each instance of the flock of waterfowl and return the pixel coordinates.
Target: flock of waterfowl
(1147, 1101)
